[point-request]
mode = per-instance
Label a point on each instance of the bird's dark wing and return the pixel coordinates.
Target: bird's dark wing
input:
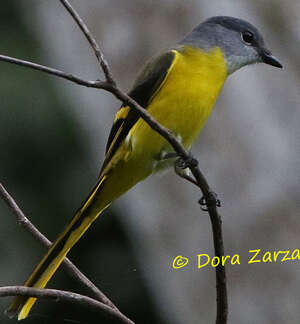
(144, 88)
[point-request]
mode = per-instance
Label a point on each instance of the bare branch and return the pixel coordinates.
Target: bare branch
(91, 40)
(71, 268)
(65, 296)
(58, 73)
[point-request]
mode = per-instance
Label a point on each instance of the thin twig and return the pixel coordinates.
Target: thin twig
(91, 40)
(58, 73)
(65, 296)
(71, 268)
(216, 222)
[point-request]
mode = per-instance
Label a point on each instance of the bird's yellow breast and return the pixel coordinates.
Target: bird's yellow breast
(184, 100)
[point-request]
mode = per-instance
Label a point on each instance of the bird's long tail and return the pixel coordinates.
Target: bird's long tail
(84, 217)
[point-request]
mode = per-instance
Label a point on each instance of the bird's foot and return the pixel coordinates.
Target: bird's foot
(211, 201)
(191, 162)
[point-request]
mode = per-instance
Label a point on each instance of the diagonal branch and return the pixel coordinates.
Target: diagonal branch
(91, 40)
(55, 72)
(71, 268)
(65, 296)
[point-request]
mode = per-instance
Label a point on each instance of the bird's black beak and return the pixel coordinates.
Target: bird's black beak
(268, 58)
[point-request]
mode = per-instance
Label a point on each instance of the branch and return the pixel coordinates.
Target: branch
(58, 73)
(110, 85)
(91, 40)
(71, 268)
(65, 296)
(216, 223)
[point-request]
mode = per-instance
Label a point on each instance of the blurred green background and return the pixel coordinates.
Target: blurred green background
(52, 138)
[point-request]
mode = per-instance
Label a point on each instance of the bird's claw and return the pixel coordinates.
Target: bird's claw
(210, 202)
(191, 162)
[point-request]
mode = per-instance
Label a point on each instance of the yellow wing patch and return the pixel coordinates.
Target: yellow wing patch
(122, 113)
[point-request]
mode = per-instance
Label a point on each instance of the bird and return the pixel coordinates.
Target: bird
(179, 88)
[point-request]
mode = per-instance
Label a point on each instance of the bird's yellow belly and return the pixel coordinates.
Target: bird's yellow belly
(183, 102)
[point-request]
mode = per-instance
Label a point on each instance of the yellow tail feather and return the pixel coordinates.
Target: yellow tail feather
(56, 254)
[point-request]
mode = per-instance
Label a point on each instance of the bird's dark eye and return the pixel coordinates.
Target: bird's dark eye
(248, 37)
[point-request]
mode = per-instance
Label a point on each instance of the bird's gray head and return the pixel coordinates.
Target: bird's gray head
(240, 42)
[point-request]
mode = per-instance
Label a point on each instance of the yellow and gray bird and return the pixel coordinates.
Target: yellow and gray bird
(179, 89)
